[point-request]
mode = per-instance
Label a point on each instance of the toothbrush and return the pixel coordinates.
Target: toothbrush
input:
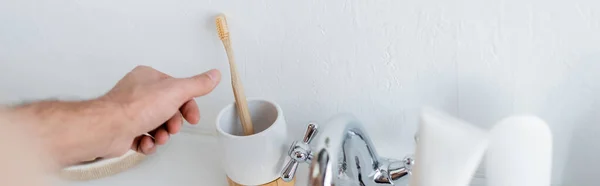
(238, 90)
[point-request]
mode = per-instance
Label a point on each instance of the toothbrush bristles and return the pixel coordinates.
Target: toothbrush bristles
(222, 27)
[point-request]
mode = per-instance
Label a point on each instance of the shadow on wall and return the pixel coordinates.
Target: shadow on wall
(579, 109)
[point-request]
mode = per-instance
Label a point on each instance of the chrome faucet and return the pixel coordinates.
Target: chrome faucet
(344, 155)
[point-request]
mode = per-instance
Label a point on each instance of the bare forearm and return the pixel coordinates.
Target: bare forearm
(70, 131)
(22, 161)
(144, 101)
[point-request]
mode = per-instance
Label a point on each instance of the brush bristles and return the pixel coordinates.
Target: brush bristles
(222, 27)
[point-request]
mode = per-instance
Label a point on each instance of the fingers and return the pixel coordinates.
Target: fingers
(161, 136)
(136, 143)
(207, 81)
(199, 85)
(174, 124)
(190, 112)
(146, 145)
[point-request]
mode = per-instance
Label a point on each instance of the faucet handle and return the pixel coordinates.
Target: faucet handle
(397, 169)
(289, 171)
(310, 133)
(300, 152)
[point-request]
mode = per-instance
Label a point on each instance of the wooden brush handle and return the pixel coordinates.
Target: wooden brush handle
(241, 104)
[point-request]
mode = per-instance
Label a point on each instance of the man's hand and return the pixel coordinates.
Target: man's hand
(157, 103)
(144, 101)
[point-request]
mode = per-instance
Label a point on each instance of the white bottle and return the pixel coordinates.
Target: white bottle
(448, 150)
(520, 153)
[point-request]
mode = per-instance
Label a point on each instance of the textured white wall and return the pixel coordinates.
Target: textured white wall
(381, 60)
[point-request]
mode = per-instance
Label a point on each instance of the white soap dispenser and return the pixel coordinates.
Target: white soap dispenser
(448, 150)
(520, 153)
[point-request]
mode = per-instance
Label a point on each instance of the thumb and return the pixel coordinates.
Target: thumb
(199, 85)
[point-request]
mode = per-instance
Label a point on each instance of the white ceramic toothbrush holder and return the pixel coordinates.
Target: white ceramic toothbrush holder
(258, 158)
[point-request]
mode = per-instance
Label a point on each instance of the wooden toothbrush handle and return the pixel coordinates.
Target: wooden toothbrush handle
(241, 104)
(243, 111)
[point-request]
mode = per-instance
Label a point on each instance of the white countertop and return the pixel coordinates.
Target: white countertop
(188, 159)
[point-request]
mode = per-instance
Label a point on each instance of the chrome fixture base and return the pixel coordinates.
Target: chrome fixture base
(344, 155)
